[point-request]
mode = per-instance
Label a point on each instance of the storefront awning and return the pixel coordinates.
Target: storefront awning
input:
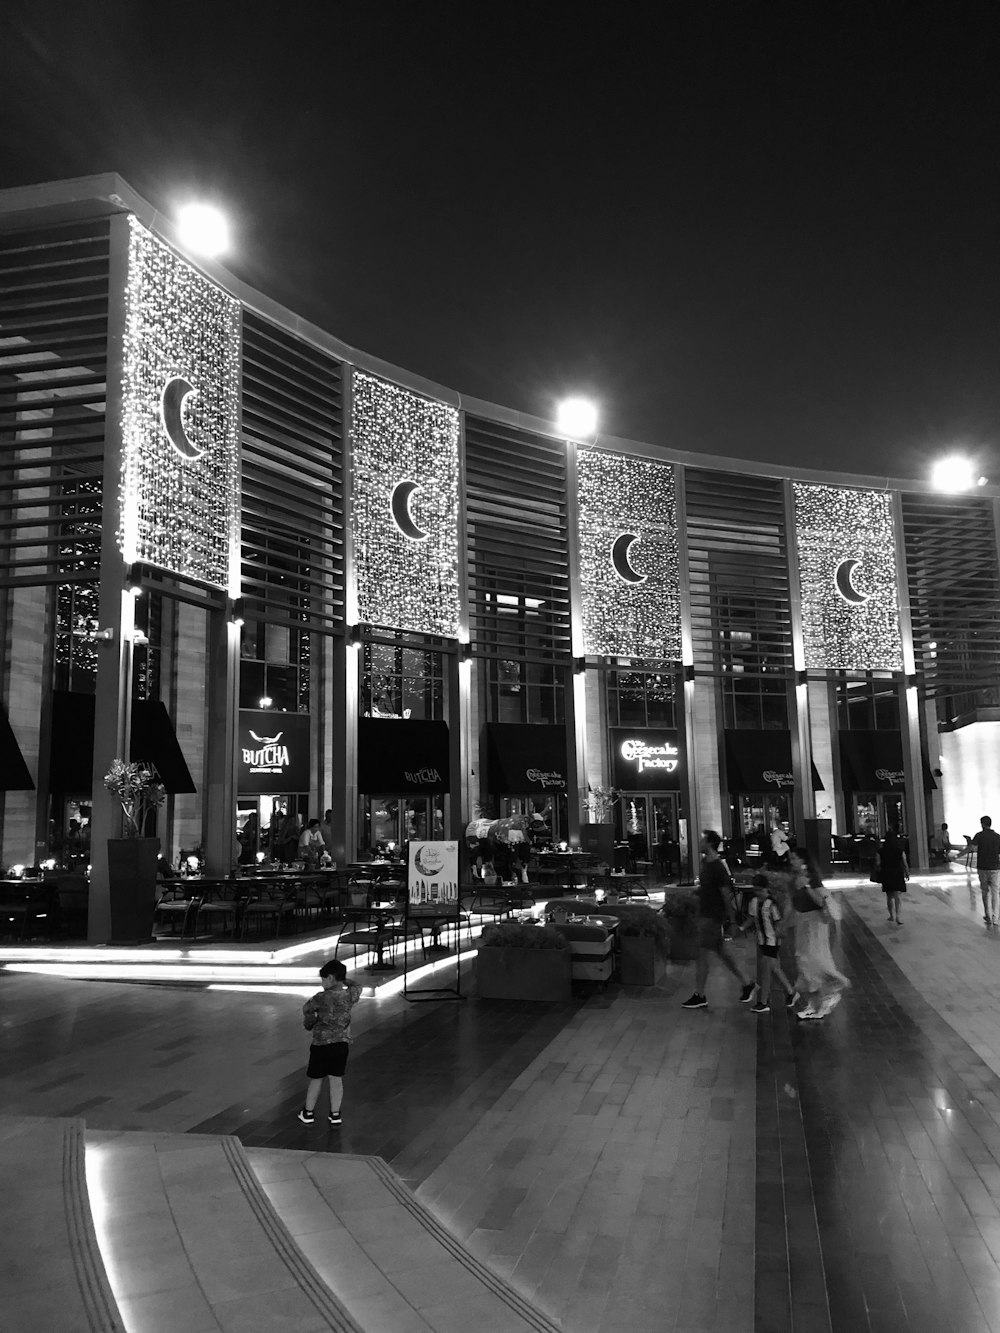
(762, 761)
(402, 756)
(523, 760)
(154, 741)
(14, 775)
(873, 761)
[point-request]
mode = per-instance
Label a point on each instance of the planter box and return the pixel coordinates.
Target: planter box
(683, 944)
(132, 888)
(524, 974)
(641, 963)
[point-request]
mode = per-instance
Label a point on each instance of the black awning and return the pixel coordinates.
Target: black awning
(14, 775)
(401, 756)
(154, 741)
(522, 759)
(759, 761)
(71, 759)
(872, 761)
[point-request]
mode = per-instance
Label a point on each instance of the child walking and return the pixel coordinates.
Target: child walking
(765, 917)
(327, 1015)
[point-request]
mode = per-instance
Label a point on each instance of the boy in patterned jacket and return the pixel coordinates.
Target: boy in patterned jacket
(327, 1015)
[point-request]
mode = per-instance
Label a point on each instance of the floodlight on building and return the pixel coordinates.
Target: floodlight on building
(202, 230)
(576, 418)
(954, 474)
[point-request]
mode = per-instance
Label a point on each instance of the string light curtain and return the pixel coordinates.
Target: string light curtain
(404, 518)
(847, 570)
(180, 416)
(629, 573)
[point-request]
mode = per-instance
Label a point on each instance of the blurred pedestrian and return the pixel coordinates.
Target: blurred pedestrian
(987, 845)
(714, 885)
(818, 977)
(894, 871)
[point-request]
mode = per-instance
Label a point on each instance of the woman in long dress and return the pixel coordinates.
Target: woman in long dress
(819, 977)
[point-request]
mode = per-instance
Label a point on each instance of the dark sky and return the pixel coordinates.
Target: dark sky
(763, 230)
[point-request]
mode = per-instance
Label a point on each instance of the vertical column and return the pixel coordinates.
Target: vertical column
(221, 850)
(701, 736)
(803, 796)
(346, 666)
(116, 610)
(909, 706)
(191, 688)
(459, 672)
(574, 682)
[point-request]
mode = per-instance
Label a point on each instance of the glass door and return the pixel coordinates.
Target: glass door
(389, 822)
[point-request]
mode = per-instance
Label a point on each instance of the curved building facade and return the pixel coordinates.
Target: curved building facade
(296, 578)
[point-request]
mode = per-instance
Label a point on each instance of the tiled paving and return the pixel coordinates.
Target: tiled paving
(626, 1164)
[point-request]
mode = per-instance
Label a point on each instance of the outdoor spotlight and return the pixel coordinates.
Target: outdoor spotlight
(577, 418)
(953, 474)
(265, 702)
(133, 580)
(203, 230)
(236, 615)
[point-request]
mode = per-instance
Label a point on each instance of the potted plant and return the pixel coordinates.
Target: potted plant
(132, 858)
(644, 944)
(522, 962)
(680, 912)
(598, 835)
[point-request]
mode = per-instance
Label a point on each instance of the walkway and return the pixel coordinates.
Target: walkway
(625, 1163)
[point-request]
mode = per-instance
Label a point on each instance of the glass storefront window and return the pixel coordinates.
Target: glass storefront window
(641, 698)
(389, 822)
(402, 682)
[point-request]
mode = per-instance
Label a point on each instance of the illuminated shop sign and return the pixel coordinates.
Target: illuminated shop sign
(272, 754)
(545, 778)
(773, 778)
(645, 760)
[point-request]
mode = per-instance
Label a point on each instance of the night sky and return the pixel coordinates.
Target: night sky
(767, 231)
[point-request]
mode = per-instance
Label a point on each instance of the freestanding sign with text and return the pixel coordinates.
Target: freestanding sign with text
(433, 873)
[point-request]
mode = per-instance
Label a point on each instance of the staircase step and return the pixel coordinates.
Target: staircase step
(52, 1275)
(390, 1261)
(193, 1244)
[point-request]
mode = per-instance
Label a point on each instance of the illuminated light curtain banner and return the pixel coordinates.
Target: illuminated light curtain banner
(847, 570)
(628, 557)
(404, 518)
(180, 416)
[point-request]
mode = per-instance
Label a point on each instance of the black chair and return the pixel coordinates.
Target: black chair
(221, 903)
(174, 905)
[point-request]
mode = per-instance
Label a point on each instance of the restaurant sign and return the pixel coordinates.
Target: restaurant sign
(645, 760)
(432, 876)
(272, 755)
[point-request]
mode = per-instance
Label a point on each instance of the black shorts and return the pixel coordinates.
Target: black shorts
(769, 950)
(327, 1060)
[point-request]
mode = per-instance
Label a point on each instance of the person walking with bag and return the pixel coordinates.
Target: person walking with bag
(893, 872)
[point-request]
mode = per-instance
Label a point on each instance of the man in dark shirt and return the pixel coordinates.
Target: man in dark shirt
(987, 845)
(714, 882)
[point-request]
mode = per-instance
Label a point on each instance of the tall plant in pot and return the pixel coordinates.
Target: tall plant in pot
(644, 943)
(132, 858)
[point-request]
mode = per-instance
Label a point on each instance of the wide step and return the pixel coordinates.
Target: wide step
(192, 1243)
(51, 1272)
(391, 1263)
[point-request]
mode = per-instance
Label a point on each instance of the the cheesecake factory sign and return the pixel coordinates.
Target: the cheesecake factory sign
(646, 760)
(273, 752)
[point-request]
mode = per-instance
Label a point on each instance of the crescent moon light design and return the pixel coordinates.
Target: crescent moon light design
(175, 394)
(844, 580)
(620, 560)
(399, 504)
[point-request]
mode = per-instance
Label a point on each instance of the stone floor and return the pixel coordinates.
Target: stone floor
(628, 1165)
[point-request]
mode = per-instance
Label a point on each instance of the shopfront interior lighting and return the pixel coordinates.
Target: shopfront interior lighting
(265, 701)
(576, 419)
(203, 230)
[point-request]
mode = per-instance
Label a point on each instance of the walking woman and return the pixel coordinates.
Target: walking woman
(818, 976)
(895, 872)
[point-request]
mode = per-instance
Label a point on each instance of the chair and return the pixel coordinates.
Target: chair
(220, 903)
(409, 928)
(173, 905)
(267, 905)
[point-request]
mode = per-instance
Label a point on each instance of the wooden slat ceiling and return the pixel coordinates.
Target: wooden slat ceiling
(738, 570)
(53, 366)
(293, 508)
(518, 548)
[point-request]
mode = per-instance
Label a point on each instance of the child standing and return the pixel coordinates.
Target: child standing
(327, 1015)
(765, 918)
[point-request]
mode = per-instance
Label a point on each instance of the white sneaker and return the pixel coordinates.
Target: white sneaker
(808, 1013)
